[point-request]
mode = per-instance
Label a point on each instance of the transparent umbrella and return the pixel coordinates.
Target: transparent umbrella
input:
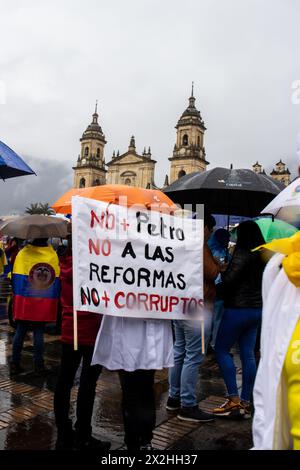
(35, 226)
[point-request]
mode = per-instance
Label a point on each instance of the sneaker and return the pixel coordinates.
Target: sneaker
(194, 415)
(147, 447)
(173, 404)
(229, 408)
(15, 368)
(247, 409)
(92, 444)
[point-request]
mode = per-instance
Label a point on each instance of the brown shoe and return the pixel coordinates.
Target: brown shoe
(229, 408)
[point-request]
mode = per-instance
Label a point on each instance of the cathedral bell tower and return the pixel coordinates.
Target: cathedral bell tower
(189, 151)
(90, 168)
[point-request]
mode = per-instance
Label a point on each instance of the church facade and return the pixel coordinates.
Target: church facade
(280, 173)
(134, 169)
(138, 169)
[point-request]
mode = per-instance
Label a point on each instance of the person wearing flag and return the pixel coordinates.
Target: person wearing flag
(36, 289)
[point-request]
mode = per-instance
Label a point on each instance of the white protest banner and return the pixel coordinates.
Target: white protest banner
(131, 262)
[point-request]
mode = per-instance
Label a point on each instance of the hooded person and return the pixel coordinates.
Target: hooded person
(218, 244)
(36, 287)
(276, 424)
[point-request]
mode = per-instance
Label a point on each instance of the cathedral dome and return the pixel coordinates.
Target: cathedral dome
(191, 115)
(94, 130)
(191, 110)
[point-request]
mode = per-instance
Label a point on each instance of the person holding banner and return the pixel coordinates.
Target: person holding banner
(189, 348)
(139, 269)
(36, 287)
(136, 348)
(88, 326)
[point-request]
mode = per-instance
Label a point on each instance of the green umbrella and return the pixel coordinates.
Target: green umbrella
(276, 228)
(270, 229)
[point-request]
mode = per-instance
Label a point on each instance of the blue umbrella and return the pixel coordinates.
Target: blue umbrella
(11, 165)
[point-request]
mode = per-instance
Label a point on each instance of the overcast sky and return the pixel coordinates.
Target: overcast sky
(138, 58)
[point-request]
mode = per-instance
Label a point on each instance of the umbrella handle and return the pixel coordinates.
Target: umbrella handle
(268, 213)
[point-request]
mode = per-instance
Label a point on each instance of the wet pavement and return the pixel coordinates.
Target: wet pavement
(26, 406)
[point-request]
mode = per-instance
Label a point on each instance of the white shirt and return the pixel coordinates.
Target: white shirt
(132, 343)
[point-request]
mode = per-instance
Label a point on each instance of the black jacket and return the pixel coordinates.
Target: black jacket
(242, 281)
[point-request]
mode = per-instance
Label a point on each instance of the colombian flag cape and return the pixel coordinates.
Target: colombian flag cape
(36, 285)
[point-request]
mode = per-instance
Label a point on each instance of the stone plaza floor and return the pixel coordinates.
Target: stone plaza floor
(26, 406)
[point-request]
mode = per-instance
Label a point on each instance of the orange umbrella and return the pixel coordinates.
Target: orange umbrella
(117, 194)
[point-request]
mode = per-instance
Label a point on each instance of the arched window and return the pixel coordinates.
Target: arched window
(98, 153)
(82, 183)
(198, 141)
(128, 181)
(86, 151)
(185, 140)
(181, 174)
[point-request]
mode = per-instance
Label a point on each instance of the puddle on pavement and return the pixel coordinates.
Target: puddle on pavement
(39, 432)
(36, 434)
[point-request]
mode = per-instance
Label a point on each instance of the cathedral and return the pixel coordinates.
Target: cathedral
(134, 169)
(280, 173)
(138, 169)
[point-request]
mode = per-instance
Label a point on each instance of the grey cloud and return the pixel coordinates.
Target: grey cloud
(52, 180)
(138, 58)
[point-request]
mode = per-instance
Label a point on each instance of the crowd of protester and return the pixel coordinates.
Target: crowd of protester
(136, 348)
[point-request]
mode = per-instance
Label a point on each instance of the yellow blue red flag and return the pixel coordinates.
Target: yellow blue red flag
(36, 284)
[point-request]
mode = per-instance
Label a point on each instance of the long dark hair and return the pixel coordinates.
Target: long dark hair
(249, 235)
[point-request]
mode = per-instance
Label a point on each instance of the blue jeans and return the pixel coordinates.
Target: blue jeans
(238, 325)
(188, 356)
(217, 318)
(38, 341)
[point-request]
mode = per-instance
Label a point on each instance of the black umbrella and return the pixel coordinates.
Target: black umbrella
(226, 191)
